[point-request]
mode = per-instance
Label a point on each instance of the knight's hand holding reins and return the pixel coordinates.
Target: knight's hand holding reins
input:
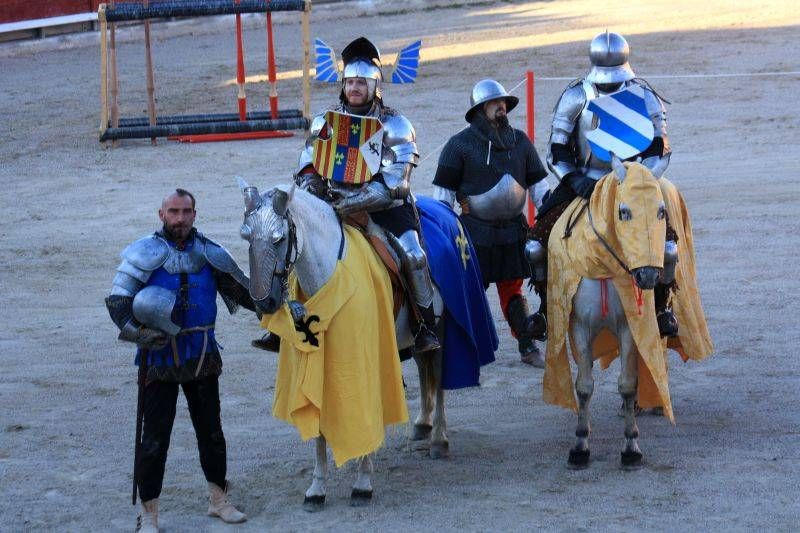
(374, 196)
(582, 185)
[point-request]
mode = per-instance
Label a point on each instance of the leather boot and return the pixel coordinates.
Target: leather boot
(269, 342)
(667, 321)
(518, 320)
(147, 521)
(218, 505)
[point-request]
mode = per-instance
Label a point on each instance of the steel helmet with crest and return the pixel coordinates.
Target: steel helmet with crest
(362, 59)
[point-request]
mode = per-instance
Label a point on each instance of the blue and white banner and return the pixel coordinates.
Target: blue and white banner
(625, 127)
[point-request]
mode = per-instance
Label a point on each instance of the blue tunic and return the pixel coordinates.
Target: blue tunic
(195, 307)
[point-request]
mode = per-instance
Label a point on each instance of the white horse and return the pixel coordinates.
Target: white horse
(296, 230)
(633, 223)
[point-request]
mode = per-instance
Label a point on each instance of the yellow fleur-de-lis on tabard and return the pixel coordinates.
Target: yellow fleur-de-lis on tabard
(463, 244)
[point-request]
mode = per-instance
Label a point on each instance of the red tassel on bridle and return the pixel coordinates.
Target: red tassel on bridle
(637, 291)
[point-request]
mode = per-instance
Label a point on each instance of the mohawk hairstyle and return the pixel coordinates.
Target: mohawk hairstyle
(184, 193)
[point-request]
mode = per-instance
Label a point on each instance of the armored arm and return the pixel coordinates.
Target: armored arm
(658, 114)
(444, 195)
(400, 155)
(305, 175)
(374, 196)
(560, 158)
(449, 171)
(138, 262)
(232, 284)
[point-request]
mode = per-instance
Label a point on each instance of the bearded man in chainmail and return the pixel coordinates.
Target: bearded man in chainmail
(489, 169)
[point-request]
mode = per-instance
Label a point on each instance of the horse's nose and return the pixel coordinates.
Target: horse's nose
(646, 277)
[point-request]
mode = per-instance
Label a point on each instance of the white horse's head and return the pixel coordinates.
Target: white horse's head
(637, 219)
(269, 229)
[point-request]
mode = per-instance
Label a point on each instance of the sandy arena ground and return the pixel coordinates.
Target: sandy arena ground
(67, 390)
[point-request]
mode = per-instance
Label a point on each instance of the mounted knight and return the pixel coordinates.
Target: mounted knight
(609, 110)
(387, 195)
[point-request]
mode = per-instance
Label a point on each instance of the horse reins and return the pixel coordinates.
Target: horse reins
(604, 242)
(284, 267)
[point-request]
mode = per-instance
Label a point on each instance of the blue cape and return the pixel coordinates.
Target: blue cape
(470, 339)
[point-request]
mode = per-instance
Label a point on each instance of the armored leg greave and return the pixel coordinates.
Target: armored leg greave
(667, 322)
(537, 256)
(418, 276)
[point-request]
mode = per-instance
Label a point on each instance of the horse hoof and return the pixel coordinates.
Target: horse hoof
(313, 504)
(360, 497)
(422, 432)
(631, 460)
(439, 450)
(578, 459)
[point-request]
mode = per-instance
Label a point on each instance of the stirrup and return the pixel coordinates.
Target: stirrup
(425, 340)
(537, 326)
(667, 323)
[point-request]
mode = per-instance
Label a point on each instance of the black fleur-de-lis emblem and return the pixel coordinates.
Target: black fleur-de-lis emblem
(304, 327)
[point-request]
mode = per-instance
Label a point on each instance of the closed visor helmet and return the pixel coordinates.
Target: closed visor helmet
(608, 53)
(153, 306)
(363, 68)
(485, 91)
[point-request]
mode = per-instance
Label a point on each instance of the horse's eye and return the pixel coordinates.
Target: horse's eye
(662, 212)
(245, 232)
(277, 236)
(625, 212)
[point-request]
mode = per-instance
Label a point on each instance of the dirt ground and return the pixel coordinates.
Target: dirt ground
(67, 390)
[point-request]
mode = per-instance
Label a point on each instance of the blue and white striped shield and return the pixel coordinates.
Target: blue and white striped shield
(625, 127)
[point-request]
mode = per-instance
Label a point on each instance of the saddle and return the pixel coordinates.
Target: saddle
(360, 221)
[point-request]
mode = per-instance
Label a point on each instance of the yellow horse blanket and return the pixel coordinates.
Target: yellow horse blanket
(338, 370)
(582, 255)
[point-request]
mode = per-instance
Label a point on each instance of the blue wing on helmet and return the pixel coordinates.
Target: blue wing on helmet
(326, 67)
(405, 69)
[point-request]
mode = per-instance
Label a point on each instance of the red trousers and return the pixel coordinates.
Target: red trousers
(506, 289)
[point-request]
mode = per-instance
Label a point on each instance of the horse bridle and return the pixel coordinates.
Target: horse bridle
(283, 267)
(603, 241)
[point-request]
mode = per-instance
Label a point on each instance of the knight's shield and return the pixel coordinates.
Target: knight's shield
(625, 127)
(352, 152)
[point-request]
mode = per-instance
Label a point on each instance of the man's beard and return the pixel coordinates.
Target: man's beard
(177, 232)
(502, 121)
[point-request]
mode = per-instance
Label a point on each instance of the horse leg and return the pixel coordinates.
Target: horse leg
(584, 387)
(315, 495)
(422, 424)
(628, 381)
(440, 447)
(362, 488)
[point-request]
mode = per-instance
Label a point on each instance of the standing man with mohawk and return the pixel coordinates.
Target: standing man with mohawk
(488, 168)
(163, 299)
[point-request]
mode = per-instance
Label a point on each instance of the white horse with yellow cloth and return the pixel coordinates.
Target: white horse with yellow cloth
(339, 378)
(604, 258)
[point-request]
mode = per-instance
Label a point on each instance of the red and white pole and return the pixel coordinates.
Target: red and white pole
(530, 114)
(240, 68)
(273, 85)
